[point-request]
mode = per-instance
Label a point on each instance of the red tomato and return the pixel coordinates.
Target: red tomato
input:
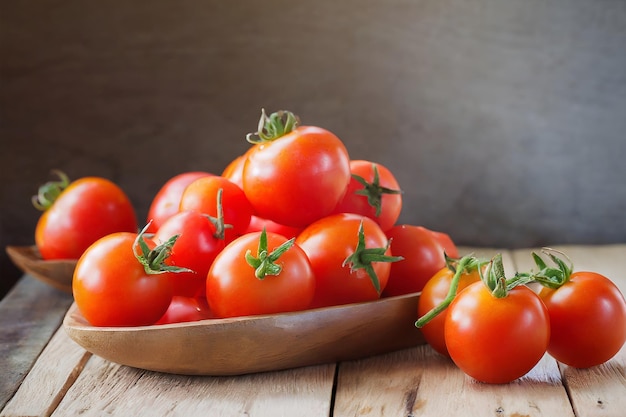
(296, 178)
(78, 214)
(202, 195)
(496, 340)
(234, 170)
(434, 293)
(373, 192)
(166, 201)
(234, 289)
(257, 224)
(588, 319)
(198, 243)
(112, 288)
(329, 242)
(423, 253)
(186, 309)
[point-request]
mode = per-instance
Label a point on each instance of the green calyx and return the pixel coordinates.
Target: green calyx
(495, 279)
(273, 126)
(50, 191)
(552, 277)
(373, 190)
(218, 222)
(265, 262)
(153, 260)
(363, 257)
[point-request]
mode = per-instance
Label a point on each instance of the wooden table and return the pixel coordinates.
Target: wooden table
(43, 373)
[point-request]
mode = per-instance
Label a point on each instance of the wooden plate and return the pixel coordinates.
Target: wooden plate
(57, 273)
(251, 344)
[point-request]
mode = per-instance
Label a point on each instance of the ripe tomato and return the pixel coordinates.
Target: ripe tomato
(112, 288)
(373, 192)
(350, 258)
(259, 273)
(588, 319)
(78, 214)
(257, 224)
(199, 241)
(496, 340)
(295, 178)
(167, 199)
(423, 253)
(185, 309)
(434, 293)
(202, 195)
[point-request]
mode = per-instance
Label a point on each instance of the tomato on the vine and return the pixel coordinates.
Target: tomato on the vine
(260, 273)
(423, 252)
(350, 256)
(587, 314)
(374, 192)
(77, 214)
(167, 200)
(295, 174)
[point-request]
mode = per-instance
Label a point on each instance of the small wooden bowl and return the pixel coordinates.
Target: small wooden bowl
(243, 345)
(57, 273)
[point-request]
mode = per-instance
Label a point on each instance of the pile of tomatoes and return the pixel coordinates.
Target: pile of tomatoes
(295, 224)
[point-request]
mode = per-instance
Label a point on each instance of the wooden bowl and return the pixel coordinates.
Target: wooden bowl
(57, 273)
(251, 344)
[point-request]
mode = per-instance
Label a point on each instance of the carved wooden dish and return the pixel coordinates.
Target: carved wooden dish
(251, 344)
(57, 273)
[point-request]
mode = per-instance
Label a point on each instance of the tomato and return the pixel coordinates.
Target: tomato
(199, 241)
(260, 273)
(496, 340)
(112, 288)
(234, 170)
(423, 253)
(185, 309)
(434, 293)
(588, 319)
(167, 199)
(295, 178)
(374, 192)
(336, 246)
(79, 213)
(202, 195)
(257, 224)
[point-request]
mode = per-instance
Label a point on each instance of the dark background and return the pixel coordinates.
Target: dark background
(504, 121)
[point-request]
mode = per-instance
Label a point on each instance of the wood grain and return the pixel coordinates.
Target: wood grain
(57, 273)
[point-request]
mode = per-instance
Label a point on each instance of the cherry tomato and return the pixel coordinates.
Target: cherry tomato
(330, 243)
(79, 213)
(167, 199)
(373, 192)
(496, 340)
(588, 319)
(259, 273)
(112, 288)
(298, 177)
(434, 293)
(423, 253)
(202, 195)
(199, 241)
(185, 309)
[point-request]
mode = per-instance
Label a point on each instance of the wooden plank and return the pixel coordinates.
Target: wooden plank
(29, 315)
(107, 388)
(598, 391)
(45, 385)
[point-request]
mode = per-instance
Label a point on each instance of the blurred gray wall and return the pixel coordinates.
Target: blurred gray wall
(504, 120)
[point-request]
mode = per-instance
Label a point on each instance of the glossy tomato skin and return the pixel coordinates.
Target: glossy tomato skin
(423, 253)
(257, 224)
(433, 294)
(185, 309)
(232, 289)
(328, 242)
(496, 340)
(166, 201)
(111, 287)
(88, 209)
(588, 320)
(201, 195)
(297, 178)
(391, 204)
(195, 249)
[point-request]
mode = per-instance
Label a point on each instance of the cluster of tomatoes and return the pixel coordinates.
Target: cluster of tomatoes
(292, 224)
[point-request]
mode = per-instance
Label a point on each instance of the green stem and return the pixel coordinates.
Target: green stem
(153, 260)
(50, 191)
(265, 262)
(273, 126)
(373, 191)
